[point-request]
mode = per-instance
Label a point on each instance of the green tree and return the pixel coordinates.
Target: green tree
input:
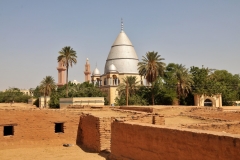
(227, 84)
(47, 85)
(128, 86)
(182, 79)
(84, 89)
(151, 67)
(13, 95)
(155, 89)
(68, 57)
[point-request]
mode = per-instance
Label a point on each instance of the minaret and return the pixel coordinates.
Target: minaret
(61, 74)
(87, 71)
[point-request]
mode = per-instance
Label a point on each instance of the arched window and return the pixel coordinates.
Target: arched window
(207, 102)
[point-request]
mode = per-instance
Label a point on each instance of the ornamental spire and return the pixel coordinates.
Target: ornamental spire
(121, 24)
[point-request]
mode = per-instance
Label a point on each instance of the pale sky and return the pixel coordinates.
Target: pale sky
(192, 33)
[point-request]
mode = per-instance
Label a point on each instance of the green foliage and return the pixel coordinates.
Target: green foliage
(36, 92)
(178, 76)
(151, 66)
(68, 57)
(47, 86)
(13, 94)
(211, 82)
(128, 87)
(84, 89)
(133, 100)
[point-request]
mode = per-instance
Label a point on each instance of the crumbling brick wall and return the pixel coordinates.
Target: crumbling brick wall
(94, 133)
(137, 141)
(137, 108)
(37, 127)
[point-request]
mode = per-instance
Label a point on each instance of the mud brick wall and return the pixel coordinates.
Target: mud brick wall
(143, 141)
(135, 108)
(94, 133)
(147, 118)
(105, 133)
(88, 133)
(158, 120)
(37, 127)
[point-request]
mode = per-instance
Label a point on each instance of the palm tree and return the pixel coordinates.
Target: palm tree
(151, 67)
(183, 79)
(68, 57)
(47, 85)
(128, 86)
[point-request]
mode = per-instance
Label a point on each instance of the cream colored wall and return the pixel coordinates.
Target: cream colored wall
(98, 101)
(112, 95)
(216, 100)
(111, 90)
(41, 102)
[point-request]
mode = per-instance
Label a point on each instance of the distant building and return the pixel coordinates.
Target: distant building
(122, 61)
(75, 82)
(28, 92)
(61, 74)
(211, 101)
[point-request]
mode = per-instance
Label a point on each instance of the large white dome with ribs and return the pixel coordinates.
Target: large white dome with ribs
(122, 55)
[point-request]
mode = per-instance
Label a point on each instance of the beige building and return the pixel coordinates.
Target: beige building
(81, 101)
(42, 102)
(211, 101)
(122, 61)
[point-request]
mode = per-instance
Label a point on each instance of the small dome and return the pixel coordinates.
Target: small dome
(96, 72)
(112, 68)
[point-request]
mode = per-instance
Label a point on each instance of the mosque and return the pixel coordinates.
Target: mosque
(122, 61)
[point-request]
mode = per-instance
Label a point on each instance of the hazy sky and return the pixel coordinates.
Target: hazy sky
(193, 33)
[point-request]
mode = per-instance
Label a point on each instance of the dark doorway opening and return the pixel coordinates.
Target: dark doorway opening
(208, 102)
(59, 128)
(8, 131)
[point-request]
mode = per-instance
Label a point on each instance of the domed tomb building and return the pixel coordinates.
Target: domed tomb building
(122, 61)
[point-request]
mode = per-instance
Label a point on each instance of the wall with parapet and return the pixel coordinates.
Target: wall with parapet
(81, 101)
(143, 141)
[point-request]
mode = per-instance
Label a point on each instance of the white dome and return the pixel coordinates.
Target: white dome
(96, 72)
(112, 68)
(123, 55)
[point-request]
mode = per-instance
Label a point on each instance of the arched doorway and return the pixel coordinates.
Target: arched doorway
(208, 103)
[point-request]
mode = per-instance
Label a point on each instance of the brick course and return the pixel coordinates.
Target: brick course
(143, 141)
(36, 127)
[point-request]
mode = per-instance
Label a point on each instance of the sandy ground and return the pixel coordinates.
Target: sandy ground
(174, 116)
(49, 153)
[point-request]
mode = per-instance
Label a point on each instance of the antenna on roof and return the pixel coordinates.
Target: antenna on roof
(121, 24)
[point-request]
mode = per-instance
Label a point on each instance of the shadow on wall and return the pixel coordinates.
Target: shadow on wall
(80, 139)
(79, 134)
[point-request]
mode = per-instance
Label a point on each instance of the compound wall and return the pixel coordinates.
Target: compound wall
(94, 133)
(37, 127)
(137, 141)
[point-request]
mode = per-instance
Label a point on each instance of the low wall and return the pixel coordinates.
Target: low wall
(94, 133)
(81, 101)
(142, 141)
(37, 127)
(135, 108)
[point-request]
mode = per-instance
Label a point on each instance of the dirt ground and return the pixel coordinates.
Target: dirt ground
(225, 120)
(49, 153)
